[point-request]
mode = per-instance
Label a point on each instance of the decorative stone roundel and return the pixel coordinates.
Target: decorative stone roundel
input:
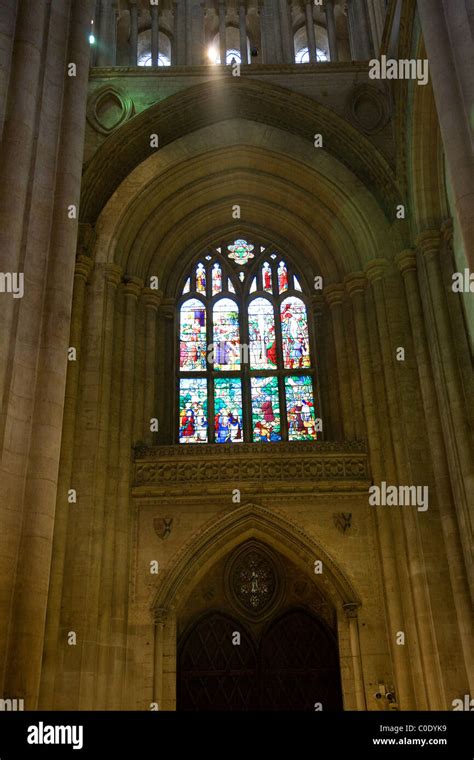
(253, 582)
(368, 109)
(108, 108)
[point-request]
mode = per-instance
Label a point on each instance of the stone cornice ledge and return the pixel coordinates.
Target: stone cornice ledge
(304, 467)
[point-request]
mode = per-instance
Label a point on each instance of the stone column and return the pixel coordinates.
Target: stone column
(222, 39)
(450, 523)
(7, 35)
(243, 32)
(114, 22)
(102, 700)
(94, 607)
(429, 244)
(331, 29)
(287, 43)
(152, 300)
(160, 616)
(84, 265)
(350, 611)
(448, 40)
(310, 35)
(361, 48)
(389, 561)
(179, 31)
(154, 34)
(416, 566)
(105, 40)
(133, 32)
(34, 404)
(334, 295)
(120, 597)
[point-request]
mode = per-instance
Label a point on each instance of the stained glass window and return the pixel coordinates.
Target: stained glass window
(193, 410)
(192, 337)
(228, 422)
(300, 408)
(262, 342)
(240, 251)
(226, 337)
(266, 424)
(246, 355)
(294, 331)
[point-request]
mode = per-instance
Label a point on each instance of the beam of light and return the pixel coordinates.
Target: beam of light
(213, 55)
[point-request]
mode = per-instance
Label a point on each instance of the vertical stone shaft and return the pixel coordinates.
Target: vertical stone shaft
(350, 611)
(429, 244)
(40, 486)
(152, 301)
(94, 569)
(334, 295)
(449, 523)
(7, 36)
(414, 552)
(16, 153)
(331, 29)
(65, 483)
(133, 32)
(359, 33)
(131, 292)
(451, 58)
(310, 35)
(243, 32)
(222, 39)
(106, 658)
(287, 45)
(155, 33)
(388, 559)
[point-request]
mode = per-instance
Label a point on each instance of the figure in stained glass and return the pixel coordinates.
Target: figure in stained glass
(262, 335)
(200, 278)
(294, 329)
(228, 410)
(300, 408)
(282, 277)
(216, 279)
(226, 335)
(267, 277)
(193, 410)
(192, 345)
(265, 409)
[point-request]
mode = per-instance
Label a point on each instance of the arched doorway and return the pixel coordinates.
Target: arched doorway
(292, 666)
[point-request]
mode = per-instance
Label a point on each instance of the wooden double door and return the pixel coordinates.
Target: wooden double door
(293, 665)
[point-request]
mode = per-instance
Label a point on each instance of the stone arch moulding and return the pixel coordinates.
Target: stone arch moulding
(182, 113)
(219, 537)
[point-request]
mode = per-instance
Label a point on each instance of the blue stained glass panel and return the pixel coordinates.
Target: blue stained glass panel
(262, 346)
(266, 423)
(193, 410)
(226, 335)
(300, 408)
(294, 332)
(192, 336)
(228, 427)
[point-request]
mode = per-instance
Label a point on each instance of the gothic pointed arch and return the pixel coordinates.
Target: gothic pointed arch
(219, 536)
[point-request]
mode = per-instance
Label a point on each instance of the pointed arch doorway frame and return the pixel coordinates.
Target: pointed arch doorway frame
(217, 539)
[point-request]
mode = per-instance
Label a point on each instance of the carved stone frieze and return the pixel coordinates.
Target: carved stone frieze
(286, 467)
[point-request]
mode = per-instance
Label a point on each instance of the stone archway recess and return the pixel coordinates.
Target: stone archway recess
(216, 540)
